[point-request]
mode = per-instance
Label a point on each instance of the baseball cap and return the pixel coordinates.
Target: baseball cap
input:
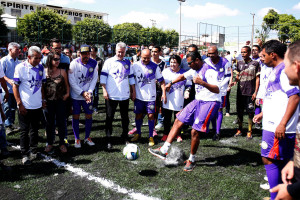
(85, 48)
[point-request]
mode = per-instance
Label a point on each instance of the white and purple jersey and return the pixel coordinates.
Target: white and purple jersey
(223, 67)
(265, 72)
(276, 98)
(29, 79)
(161, 65)
(82, 77)
(175, 97)
(145, 77)
(115, 75)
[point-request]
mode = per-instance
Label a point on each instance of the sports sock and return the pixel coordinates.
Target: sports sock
(192, 158)
(213, 122)
(250, 124)
(138, 125)
(88, 127)
(219, 121)
(151, 127)
(75, 125)
(274, 177)
(165, 147)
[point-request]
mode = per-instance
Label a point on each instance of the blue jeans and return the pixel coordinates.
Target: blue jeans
(9, 109)
(3, 142)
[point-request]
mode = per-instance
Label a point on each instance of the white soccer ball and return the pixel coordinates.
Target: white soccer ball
(131, 151)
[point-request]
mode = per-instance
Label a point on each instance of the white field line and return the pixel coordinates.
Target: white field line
(104, 182)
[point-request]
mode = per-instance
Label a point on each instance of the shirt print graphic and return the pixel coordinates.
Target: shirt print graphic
(37, 81)
(122, 74)
(147, 77)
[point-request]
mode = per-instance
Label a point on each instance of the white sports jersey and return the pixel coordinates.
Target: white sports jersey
(82, 77)
(209, 75)
(145, 77)
(276, 99)
(175, 97)
(30, 80)
(223, 67)
(115, 75)
(265, 72)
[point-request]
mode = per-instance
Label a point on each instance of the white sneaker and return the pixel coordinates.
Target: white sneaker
(159, 126)
(89, 142)
(266, 178)
(265, 186)
(77, 144)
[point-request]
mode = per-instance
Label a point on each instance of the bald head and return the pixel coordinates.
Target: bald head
(146, 56)
(212, 52)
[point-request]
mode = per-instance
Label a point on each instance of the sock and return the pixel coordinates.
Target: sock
(274, 177)
(88, 127)
(213, 123)
(250, 124)
(219, 121)
(75, 125)
(192, 158)
(165, 147)
(257, 110)
(151, 127)
(138, 125)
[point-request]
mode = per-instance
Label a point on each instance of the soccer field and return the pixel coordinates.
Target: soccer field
(227, 169)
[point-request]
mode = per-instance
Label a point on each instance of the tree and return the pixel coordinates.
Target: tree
(43, 25)
(91, 31)
(271, 19)
(130, 33)
(3, 29)
(263, 33)
(153, 35)
(172, 38)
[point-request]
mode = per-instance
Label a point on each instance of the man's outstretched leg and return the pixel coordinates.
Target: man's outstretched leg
(195, 141)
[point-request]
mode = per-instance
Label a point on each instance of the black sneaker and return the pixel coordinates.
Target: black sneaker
(216, 137)
(158, 153)
(189, 166)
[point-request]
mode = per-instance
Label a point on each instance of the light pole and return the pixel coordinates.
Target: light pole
(253, 14)
(180, 1)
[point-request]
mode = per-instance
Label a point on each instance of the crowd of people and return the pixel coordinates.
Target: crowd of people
(52, 84)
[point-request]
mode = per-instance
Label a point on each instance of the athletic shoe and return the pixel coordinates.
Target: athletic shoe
(227, 114)
(257, 126)
(159, 126)
(133, 131)
(33, 156)
(216, 137)
(249, 135)
(238, 133)
(136, 137)
(89, 142)
(265, 186)
(151, 142)
(26, 160)
(77, 144)
(145, 124)
(179, 138)
(158, 153)
(133, 123)
(266, 178)
(154, 133)
(189, 166)
(164, 138)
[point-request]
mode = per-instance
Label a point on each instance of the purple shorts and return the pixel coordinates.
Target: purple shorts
(276, 149)
(198, 114)
(146, 107)
(87, 107)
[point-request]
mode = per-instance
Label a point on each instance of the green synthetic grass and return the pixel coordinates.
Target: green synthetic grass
(227, 169)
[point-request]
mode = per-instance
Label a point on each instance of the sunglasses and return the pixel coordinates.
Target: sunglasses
(56, 59)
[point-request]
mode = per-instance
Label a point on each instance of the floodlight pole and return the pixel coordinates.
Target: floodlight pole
(179, 44)
(252, 35)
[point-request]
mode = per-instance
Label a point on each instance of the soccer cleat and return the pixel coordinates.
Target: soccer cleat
(136, 137)
(179, 138)
(249, 135)
(154, 133)
(216, 137)
(159, 126)
(189, 166)
(89, 142)
(151, 142)
(133, 131)
(77, 143)
(164, 138)
(238, 133)
(158, 153)
(26, 160)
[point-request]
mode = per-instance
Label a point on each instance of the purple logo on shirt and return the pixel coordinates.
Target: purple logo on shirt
(37, 81)
(177, 86)
(124, 73)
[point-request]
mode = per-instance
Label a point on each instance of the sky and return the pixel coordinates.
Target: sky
(166, 13)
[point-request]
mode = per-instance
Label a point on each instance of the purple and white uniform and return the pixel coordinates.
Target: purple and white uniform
(277, 95)
(115, 75)
(265, 72)
(175, 97)
(30, 81)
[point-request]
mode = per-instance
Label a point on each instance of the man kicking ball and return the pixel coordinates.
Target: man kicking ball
(200, 111)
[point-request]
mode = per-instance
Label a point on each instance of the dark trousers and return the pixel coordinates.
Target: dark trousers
(96, 95)
(29, 127)
(55, 115)
(227, 102)
(167, 120)
(111, 106)
(244, 103)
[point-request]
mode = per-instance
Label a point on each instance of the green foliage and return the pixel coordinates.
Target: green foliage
(44, 25)
(263, 33)
(271, 19)
(130, 33)
(3, 29)
(172, 38)
(91, 31)
(153, 35)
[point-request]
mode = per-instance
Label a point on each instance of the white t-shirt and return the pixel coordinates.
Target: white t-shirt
(265, 72)
(82, 77)
(276, 99)
(209, 75)
(30, 80)
(116, 74)
(175, 97)
(145, 78)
